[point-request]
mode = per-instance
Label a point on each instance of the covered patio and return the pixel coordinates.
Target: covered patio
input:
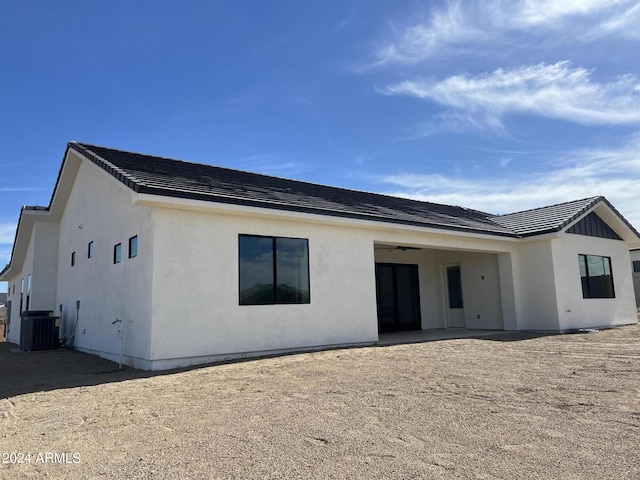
(433, 288)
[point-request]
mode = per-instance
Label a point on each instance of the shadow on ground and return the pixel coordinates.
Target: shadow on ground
(23, 372)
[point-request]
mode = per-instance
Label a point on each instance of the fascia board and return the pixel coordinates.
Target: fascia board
(66, 178)
(233, 209)
(27, 220)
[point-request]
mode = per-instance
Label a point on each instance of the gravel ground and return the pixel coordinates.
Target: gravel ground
(509, 406)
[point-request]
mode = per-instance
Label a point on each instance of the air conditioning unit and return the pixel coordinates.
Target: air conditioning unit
(39, 330)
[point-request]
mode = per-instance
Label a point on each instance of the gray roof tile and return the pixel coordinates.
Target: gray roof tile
(162, 176)
(545, 219)
(176, 178)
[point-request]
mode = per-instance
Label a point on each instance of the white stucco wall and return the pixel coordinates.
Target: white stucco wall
(577, 312)
(45, 267)
(480, 288)
(13, 334)
(196, 310)
(197, 316)
(100, 209)
(13, 329)
(534, 286)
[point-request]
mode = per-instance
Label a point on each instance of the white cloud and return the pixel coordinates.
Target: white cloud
(624, 23)
(276, 164)
(614, 173)
(550, 12)
(553, 91)
(467, 25)
(7, 233)
(414, 43)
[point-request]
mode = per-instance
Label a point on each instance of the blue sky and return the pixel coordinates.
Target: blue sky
(494, 105)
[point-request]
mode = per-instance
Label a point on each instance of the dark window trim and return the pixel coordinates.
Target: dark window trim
(275, 269)
(115, 251)
(90, 249)
(636, 266)
(587, 292)
(136, 253)
(73, 259)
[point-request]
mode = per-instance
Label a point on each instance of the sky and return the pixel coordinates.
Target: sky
(495, 105)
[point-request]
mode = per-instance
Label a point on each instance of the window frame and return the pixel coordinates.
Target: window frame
(73, 259)
(90, 249)
(135, 237)
(274, 260)
(636, 266)
(589, 289)
(117, 253)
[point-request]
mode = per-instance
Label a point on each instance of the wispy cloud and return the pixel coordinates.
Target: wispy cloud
(17, 189)
(582, 173)
(413, 43)
(553, 91)
(468, 25)
(277, 164)
(7, 232)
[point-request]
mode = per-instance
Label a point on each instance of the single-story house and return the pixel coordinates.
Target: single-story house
(170, 263)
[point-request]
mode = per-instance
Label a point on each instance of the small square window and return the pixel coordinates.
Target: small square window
(636, 266)
(90, 250)
(133, 247)
(117, 253)
(73, 259)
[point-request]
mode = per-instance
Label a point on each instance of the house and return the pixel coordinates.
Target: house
(170, 263)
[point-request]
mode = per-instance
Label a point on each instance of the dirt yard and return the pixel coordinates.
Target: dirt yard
(513, 406)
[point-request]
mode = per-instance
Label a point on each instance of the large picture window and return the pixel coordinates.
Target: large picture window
(596, 275)
(273, 270)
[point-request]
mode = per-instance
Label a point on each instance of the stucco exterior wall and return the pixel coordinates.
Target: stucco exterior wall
(480, 288)
(13, 334)
(534, 286)
(577, 312)
(100, 209)
(45, 266)
(196, 310)
(13, 315)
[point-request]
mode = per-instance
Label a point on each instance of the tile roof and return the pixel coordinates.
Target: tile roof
(545, 219)
(167, 177)
(176, 178)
